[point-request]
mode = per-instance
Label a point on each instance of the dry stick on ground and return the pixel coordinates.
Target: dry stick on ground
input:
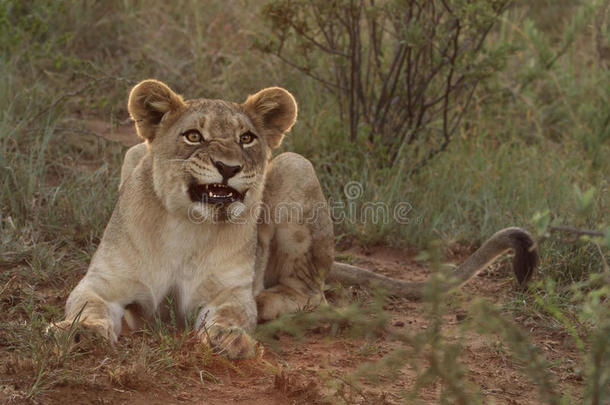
(577, 231)
(7, 284)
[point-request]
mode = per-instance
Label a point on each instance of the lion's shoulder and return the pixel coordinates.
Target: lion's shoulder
(132, 158)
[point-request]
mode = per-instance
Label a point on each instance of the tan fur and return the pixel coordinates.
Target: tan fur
(235, 264)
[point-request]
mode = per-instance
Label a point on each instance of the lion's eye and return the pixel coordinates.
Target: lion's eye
(193, 136)
(246, 138)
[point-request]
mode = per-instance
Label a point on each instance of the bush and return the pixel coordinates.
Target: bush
(402, 73)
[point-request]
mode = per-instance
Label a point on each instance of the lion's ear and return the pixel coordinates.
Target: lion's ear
(149, 101)
(275, 110)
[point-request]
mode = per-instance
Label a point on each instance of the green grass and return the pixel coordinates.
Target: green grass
(535, 133)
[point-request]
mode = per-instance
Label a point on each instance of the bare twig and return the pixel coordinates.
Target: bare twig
(7, 284)
(574, 230)
(306, 71)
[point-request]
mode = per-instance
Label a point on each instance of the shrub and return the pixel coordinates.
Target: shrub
(401, 72)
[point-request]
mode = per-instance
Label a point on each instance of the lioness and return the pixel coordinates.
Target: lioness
(201, 217)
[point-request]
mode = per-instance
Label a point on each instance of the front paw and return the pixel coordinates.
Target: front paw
(233, 342)
(86, 329)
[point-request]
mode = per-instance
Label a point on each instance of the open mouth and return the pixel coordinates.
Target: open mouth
(214, 193)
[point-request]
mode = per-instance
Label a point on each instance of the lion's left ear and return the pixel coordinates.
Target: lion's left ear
(275, 110)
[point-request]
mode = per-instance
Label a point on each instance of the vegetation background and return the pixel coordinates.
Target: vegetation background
(532, 148)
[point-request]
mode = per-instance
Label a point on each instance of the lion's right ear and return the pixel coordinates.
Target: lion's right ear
(149, 101)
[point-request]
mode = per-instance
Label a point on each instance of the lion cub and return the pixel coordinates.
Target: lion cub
(206, 218)
(202, 217)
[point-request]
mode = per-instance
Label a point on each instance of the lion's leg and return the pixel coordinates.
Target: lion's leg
(295, 239)
(280, 299)
(225, 322)
(91, 304)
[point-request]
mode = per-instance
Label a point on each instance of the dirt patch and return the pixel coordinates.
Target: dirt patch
(83, 129)
(123, 131)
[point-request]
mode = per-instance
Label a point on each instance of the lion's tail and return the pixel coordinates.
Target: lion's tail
(516, 239)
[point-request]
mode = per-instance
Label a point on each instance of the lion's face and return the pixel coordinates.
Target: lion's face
(210, 162)
(209, 156)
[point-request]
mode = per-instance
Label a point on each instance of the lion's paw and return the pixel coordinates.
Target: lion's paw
(232, 342)
(86, 329)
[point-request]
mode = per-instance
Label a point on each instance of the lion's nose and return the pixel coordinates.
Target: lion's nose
(225, 170)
